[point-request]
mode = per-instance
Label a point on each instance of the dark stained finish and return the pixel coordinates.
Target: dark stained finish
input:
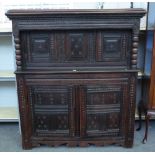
(49, 49)
(76, 75)
(29, 12)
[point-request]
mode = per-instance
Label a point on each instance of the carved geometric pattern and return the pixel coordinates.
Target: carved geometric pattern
(114, 121)
(57, 48)
(50, 49)
(62, 122)
(25, 116)
(41, 122)
(40, 47)
(125, 113)
(51, 109)
(51, 98)
(77, 47)
(104, 98)
(92, 123)
(103, 124)
(103, 110)
(103, 121)
(55, 95)
(103, 95)
(131, 110)
(51, 123)
(113, 47)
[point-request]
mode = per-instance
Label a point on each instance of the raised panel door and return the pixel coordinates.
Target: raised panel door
(52, 110)
(102, 110)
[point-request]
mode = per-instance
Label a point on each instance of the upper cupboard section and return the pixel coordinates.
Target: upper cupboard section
(76, 49)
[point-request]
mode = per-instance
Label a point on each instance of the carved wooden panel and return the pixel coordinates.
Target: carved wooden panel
(51, 108)
(76, 48)
(103, 124)
(52, 96)
(113, 46)
(40, 48)
(103, 110)
(57, 48)
(55, 124)
(103, 95)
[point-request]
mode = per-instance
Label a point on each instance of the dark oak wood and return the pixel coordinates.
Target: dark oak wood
(76, 75)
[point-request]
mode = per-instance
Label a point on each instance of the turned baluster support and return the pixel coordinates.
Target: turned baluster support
(134, 53)
(18, 52)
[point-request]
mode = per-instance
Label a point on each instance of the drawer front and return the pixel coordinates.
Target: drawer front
(96, 48)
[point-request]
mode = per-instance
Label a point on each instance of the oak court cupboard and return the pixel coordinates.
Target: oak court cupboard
(76, 75)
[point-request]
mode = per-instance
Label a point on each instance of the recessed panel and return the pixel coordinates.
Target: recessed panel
(104, 124)
(51, 124)
(113, 46)
(51, 110)
(103, 95)
(77, 47)
(40, 48)
(103, 110)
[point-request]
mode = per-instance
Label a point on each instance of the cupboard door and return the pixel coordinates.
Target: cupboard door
(52, 110)
(101, 108)
(113, 48)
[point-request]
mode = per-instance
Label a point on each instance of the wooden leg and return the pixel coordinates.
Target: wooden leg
(147, 117)
(140, 117)
(129, 143)
(26, 144)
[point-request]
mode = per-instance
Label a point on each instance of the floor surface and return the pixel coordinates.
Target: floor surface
(10, 141)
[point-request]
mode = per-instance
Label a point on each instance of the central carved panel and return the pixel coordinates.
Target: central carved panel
(77, 47)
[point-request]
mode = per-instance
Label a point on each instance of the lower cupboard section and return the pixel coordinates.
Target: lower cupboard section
(77, 111)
